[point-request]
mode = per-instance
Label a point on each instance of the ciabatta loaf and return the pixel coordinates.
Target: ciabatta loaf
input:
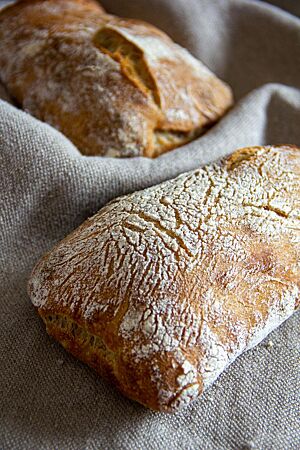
(113, 86)
(162, 289)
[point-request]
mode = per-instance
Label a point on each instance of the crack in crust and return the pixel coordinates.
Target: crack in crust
(131, 59)
(179, 279)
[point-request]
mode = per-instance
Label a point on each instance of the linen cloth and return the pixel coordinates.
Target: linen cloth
(48, 400)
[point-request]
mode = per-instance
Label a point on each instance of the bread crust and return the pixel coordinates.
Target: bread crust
(114, 87)
(162, 289)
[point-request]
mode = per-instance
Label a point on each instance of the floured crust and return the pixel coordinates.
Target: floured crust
(115, 87)
(169, 285)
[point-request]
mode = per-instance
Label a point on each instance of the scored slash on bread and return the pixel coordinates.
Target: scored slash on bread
(114, 87)
(162, 289)
(188, 102)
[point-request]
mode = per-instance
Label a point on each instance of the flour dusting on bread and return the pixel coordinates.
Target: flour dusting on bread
(181, 278)
(115, 87)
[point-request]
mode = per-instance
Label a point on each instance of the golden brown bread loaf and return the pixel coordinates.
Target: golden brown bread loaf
(162, 289)
(115, 87)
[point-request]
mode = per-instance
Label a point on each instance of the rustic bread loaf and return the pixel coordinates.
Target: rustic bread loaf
(115, 87)
(162, 289)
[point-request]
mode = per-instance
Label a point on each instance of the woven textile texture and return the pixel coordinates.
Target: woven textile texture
(48, 400)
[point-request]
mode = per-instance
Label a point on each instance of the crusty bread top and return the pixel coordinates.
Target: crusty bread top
(180, 278)
(115, 87)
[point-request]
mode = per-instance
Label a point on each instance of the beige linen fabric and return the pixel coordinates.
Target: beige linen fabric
(48, 400)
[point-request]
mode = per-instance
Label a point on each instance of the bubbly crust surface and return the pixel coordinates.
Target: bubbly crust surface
(114, 87)
(162, 289)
